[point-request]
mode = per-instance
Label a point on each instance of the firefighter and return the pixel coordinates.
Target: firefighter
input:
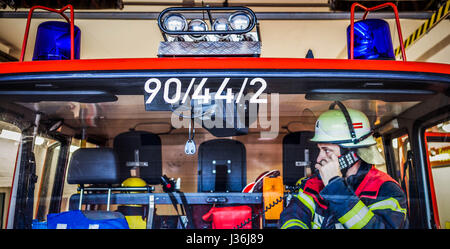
(346, 190)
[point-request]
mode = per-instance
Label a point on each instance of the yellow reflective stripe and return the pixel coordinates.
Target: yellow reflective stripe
(346, 217)
(299, 182)
(294, 222)
(390, 203)
(364, 220)
(357, 217)
(307, 200)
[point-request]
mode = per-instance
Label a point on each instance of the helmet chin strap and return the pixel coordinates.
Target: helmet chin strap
(348, 156)
(347, 118)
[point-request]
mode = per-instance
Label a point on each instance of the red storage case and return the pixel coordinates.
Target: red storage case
(228, 217)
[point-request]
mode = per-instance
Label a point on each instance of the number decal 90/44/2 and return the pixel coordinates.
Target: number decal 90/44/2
(153, 86)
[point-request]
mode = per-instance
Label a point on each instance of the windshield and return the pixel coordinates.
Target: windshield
(226, 112)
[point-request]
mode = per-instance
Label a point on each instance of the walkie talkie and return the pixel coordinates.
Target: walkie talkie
(347, 160)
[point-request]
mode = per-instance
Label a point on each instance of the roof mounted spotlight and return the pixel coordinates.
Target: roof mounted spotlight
(210, 31)
(221, 24)
(239, 20)
(175, 22)
(197, 25)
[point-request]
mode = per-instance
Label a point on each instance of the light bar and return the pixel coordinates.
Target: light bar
(244, 20)
(211, 31)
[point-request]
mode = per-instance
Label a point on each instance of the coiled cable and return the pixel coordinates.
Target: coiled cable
(292, 190)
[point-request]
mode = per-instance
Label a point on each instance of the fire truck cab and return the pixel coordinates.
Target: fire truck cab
(208, 127)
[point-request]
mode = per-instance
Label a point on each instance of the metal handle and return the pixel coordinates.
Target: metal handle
(61, 12)
(190, 147)
(216, 200)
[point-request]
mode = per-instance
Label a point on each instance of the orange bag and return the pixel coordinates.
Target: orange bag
(273, 191)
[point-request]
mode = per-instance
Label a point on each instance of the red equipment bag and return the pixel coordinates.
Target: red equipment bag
(228, 217)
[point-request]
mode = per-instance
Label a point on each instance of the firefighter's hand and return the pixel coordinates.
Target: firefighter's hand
(329, 168)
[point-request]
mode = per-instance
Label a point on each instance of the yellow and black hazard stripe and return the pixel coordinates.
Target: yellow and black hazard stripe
(437, 16)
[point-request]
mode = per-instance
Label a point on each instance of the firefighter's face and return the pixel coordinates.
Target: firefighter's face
(326, 149)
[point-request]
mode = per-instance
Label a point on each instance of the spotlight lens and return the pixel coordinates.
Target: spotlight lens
(175, 22)
(239, 21)
(221, 24)
(197, 25)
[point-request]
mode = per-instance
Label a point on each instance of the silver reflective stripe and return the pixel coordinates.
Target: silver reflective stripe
(339, 226)
(61, 226)
(94, 226)
(317, 221)
(390, 203)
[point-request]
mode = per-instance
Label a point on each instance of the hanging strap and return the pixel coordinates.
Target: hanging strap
(347, 118)
(188, 210)
(31, 182)
(406, 166)
(175, 203)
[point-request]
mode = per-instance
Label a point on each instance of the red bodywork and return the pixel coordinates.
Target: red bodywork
(220, 63)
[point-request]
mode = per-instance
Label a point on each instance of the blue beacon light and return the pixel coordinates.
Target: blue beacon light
(53, 41)
(372, 40)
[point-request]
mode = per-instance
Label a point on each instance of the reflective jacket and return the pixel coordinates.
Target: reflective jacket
(369, 199)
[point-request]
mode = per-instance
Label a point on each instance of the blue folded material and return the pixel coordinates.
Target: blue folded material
(77, 220)
(39, 224)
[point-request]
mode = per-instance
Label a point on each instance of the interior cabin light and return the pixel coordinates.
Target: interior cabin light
(372, 40)
(175, 22)
(53, 41)
(446, 127)
(11, 135)
(73, 148)
(239, 20)
(39, 141)
(197, 25)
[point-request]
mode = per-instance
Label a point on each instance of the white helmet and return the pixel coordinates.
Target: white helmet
(347, 128)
